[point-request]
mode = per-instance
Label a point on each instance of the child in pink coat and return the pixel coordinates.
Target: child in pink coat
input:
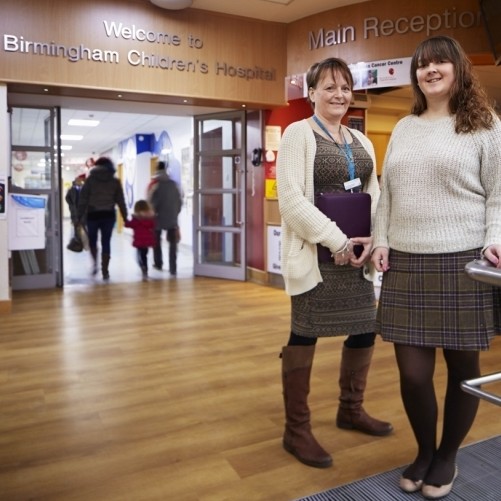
(143, 226)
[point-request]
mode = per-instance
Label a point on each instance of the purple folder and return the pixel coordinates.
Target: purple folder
(351, 212)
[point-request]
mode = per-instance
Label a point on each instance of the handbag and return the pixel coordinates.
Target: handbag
(75, 244)
(352, 214)
(482, 270)
(81, 234)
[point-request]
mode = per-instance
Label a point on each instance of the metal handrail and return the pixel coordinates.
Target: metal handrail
(472, 386)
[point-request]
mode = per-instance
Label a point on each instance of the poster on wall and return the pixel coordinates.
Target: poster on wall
(274, 249)
(270, 179)
(26, 221)
(272, 136)
(384, 73)
(3, 197)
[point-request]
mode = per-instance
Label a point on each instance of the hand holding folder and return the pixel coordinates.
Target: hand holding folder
(352, 214)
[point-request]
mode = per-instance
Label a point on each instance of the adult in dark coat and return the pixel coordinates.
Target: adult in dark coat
(71, 198)
(166, 200)
(101, 192)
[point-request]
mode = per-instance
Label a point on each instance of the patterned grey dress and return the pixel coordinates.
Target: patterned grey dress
(344, 303)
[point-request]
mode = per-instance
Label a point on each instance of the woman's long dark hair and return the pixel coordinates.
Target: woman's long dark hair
(468, 101)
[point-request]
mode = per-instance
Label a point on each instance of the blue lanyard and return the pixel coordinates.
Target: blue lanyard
(345, 148)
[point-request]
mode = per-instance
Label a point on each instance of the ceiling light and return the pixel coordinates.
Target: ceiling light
(66, 147)
(281, 2)
(71, 137)
(172, 4)
(83, 123)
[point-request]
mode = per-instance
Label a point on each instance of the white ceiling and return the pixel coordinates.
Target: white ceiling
(284, 11)
(117, 124)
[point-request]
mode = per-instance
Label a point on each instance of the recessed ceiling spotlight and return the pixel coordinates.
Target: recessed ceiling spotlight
(172, 4)
(71, 137)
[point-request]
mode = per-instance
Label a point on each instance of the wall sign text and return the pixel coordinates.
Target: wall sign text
(374, 27)
(138, 58)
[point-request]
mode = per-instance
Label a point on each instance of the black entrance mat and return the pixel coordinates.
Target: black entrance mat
(479, 480)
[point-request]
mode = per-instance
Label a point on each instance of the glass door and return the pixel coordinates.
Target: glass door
(34, 221)
(219, 195)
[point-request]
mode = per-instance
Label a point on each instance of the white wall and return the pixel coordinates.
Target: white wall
(4, 170)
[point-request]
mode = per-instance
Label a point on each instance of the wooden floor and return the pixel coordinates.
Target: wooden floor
(171, 390)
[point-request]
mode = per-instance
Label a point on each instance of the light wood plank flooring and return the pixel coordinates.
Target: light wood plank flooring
(171, 390)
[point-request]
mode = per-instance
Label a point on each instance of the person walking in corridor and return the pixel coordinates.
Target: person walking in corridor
(165, 197)
(99, 196)
(142, 224)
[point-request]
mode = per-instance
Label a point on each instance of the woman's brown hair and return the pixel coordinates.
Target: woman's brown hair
(468, 101)
(332, 64)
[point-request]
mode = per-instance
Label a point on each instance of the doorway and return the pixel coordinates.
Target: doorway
(74, 269)
(47, 156)
(219, 195)
(135, 142)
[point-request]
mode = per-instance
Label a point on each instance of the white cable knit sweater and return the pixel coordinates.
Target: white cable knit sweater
(441, 191)
(303, 225)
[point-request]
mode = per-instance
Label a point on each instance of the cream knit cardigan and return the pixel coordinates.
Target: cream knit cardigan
(303, 225)
(440, 191)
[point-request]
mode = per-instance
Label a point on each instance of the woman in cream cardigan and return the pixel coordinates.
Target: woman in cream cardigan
(333, 298)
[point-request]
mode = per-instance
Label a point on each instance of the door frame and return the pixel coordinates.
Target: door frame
(237, 269)
(53, 218)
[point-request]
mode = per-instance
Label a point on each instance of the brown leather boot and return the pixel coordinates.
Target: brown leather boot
(355, 363)
(298, 439)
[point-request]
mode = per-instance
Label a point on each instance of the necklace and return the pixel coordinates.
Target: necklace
(345, 147)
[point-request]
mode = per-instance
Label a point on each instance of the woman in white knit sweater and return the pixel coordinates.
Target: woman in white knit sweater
(332, 298)
(440, 208)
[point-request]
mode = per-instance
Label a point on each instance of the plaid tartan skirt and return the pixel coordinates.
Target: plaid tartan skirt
(428, 300)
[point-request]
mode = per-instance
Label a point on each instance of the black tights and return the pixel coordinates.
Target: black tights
(354, 341)
(417, 366)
